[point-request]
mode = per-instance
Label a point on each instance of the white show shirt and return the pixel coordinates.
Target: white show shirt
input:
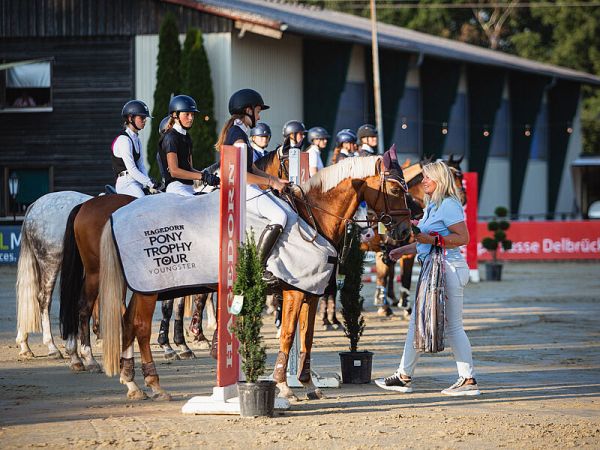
(314, 157)
(122, 149)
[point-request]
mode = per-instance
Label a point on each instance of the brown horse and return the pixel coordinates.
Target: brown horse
(333, 196)
(381, 245)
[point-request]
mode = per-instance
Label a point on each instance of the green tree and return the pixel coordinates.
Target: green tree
(197, 82)
(168, 82)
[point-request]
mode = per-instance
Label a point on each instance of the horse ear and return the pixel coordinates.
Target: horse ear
(393, 153)
(451, 158)
(459, 160)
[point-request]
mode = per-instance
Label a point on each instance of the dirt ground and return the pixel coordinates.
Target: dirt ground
(535, 338)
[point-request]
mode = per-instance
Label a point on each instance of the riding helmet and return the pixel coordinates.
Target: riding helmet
(367, 130)
(317, 133)
(293, 127)
(244, 98)
(162, 128)
(346, 135)
(182, 103)
(261, 129)
(135, 108)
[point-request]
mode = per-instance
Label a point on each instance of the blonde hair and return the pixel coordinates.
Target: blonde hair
(225, 129)
(445, 188)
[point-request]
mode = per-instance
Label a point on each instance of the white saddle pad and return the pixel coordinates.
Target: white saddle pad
(170, 243)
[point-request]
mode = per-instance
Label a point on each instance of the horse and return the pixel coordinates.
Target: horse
(329, 201)
(39, 264)
(381, 245)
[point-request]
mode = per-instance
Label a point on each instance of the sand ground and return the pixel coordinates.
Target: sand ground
(535, 338)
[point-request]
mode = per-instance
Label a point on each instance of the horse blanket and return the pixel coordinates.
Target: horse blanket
(169, 243)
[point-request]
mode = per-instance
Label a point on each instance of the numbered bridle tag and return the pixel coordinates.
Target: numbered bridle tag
(237, 305)
(381, 228)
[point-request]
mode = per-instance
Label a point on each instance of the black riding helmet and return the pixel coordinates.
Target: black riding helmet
(317, 133)
(135, 108)
(345, 135)
(292, 127)
(244, 98)
(182, 103)
(162, 128)
(366, 130)
(261, 129)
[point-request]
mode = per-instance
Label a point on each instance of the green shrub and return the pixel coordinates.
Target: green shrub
(498, 226)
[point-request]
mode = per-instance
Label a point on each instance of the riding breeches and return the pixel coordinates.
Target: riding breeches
(127, 185)
(177, 187)
(261, 204)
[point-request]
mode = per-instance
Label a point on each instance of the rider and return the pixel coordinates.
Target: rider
(260, 136)
(368, 140)
(345, 145)
(293, 134)
(317, 138)
(127, 162)
(175, 149)
(245, 106)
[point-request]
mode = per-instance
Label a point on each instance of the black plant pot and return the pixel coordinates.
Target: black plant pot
(493, 271)
(356, 367)
(257, 399)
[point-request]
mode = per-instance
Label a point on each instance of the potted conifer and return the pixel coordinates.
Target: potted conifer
(498, 226)
(356, 366)
(257, 397)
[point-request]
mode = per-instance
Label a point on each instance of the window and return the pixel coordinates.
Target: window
(28, 184)
(26, 86)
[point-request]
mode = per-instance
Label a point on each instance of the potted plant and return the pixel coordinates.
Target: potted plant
(356, 366)
(257, 397)
(498, 226)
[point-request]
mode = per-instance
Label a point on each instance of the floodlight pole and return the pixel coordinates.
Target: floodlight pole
(376, 82)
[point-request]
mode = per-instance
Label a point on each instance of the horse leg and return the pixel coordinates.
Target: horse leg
(196, 323)
(23, 341)
(178, 338)
(211, 314)
(127, 372)
(76, 364)
(383, 271)
(391, 295)
(308, 313)
(406, 280)
(142, 320)
(331, 309)
(323, 312)
(96, 321)
(163, 334)
(86, 305)
(45, 297)
(292, 303)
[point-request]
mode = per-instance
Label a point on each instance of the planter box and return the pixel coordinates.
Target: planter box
(356, 367)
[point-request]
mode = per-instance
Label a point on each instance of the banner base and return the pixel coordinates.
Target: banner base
(474, 275)
(224, 400)
(321, 381)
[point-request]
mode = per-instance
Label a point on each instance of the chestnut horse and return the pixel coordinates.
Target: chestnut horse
(331, 197)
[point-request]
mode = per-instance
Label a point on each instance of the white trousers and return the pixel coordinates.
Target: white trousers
(260, 203)
(177, 187)
(457, 276)
(127, 185)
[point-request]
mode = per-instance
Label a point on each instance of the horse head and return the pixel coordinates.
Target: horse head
(454, 164)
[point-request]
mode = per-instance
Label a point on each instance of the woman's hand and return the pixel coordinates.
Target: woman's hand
(424, 238)
(278, 184)
(399, 252)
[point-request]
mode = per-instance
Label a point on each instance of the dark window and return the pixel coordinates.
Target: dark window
(26, 87)
(32, 183)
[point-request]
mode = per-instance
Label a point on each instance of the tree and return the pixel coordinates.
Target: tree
(197, 82)
(168, 82)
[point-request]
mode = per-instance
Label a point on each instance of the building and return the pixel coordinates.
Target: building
(516, 121)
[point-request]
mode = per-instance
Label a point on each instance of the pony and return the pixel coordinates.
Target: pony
(327, 201)
(39, 264)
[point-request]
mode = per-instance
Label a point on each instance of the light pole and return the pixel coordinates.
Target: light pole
(13, 189)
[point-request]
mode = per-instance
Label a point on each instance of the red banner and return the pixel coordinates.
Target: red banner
(470, 186)
(552, 240)
(232, 213)
(304, 167)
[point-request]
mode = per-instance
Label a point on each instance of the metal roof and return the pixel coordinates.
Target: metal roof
(323, 23)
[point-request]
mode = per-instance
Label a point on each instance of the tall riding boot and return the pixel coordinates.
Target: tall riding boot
(267, 241)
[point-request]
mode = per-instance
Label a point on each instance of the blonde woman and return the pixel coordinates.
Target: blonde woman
(444, 215)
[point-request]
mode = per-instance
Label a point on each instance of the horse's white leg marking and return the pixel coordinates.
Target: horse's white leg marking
(53, 351)
(22, 340)
(71, 348)
(210, 313)
(133, 390)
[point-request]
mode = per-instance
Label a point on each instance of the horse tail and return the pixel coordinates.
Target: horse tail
(71, 279)
(188, 309)
(111, 294)
(28, 286)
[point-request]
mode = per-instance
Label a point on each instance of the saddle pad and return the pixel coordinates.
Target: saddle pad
(169, 242)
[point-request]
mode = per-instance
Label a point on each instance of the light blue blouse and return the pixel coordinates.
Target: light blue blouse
(450, 212)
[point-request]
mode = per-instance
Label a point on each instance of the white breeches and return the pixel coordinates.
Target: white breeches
(177, 187)
(264, 206)
(127, 185)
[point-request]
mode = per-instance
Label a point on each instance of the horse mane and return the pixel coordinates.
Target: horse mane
(265, 161)
(329, 177)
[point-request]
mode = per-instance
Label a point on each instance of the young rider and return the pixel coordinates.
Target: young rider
(260, 136)
(345, 145)
(175, 149)
(245, 107)
(367, 139)
(317, 139)
(127, 162)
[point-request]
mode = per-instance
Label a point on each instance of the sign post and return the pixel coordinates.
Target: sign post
(470, 186)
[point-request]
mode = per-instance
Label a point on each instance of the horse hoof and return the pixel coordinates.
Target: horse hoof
(78, 367)
(56, 355)
(137, 395)
(204, 345)
(188, 354)
(94, 368)
(27, 354)
(317, 394)
(162, 396)
(171, 355)
(335, 326)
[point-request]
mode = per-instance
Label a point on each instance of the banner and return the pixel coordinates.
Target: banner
(304, 167)
(470, 186)
(552, 240)
(233, 208)
(10, 243)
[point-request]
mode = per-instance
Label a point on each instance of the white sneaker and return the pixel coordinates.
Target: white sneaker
(394, 383)
(462, 388)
